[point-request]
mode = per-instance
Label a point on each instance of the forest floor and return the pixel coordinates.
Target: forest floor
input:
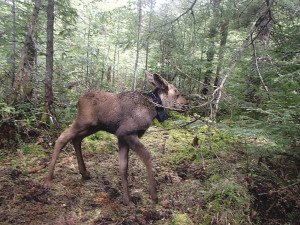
(202, 188)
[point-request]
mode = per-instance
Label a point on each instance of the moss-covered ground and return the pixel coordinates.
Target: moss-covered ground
(205, 175)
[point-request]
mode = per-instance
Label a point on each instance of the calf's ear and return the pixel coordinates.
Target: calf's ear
(157, 81)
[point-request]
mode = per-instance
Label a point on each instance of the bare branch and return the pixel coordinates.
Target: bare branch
(257, 68)
(183, 73)
(178, 17)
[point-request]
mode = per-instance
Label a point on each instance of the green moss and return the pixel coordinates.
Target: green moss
(209, 144)
(178, 116)
(181, 218)
(101, 135)
(101, 141)
(165, 124)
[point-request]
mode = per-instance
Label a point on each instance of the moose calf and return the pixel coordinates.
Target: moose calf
(127, 115)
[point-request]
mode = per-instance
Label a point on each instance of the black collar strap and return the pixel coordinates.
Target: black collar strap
(162, 114)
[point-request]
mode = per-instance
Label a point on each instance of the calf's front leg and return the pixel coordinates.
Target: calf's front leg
(134, 143)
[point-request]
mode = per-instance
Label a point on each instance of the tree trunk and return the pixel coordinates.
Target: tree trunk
(49, 110)
(22, 86)
(104, 62)
(209, 58)
(108, 74)
(137, 44)
(116, 53)
(148, 38)
(88, 55)
(213, 31)
(14, 42)
(223, 41)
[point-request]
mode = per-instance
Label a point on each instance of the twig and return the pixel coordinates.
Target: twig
(189, 123)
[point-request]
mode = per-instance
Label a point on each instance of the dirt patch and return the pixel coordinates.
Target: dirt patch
(276, 200)
(285, 167)
(188, 171)
(22, 200)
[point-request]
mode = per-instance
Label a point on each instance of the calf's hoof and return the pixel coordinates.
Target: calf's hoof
(86, 176)
(126, 201)
(155, 199)
(47, 183)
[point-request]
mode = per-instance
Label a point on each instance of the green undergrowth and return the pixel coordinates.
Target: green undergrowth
(181, 218)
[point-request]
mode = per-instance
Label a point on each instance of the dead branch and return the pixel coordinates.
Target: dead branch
(177, 18)
(184, 74)
(257, 68)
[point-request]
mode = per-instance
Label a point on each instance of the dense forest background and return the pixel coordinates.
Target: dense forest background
(236, 60)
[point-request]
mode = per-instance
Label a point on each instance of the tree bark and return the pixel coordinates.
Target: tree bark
(213, 31)
(116, 53)
(137, 44)
(22, 86)
(223, 41)
(88, 55)
(148, 38)
(49, 98)
(14, 42)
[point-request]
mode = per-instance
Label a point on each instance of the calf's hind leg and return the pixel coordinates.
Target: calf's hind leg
(70, 133)
(81, 165)
(123, 167)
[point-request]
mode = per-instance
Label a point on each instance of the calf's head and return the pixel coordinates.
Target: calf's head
(168, 93)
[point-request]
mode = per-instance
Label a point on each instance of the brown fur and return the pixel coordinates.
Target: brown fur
(127, 115)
